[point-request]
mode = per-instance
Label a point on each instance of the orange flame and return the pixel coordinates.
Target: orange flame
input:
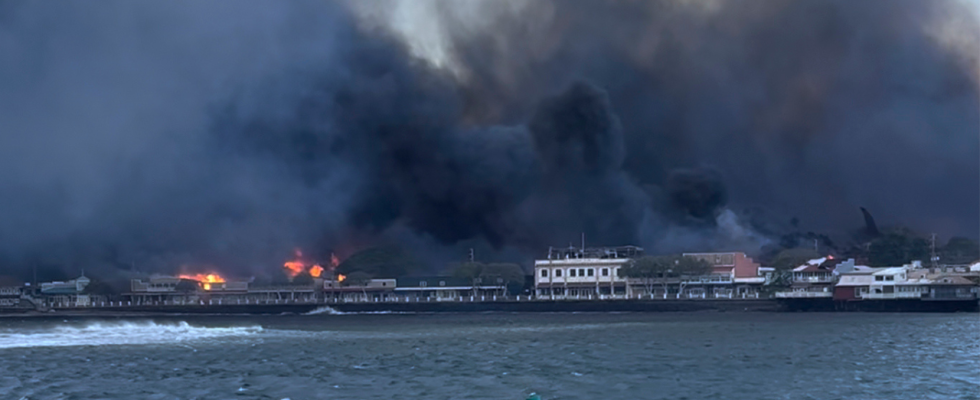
(204, 279)
(297, 265)
(341, 277)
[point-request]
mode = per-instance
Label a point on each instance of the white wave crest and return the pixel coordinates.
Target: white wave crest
(118, 333)
(333, 311)
(324, 310)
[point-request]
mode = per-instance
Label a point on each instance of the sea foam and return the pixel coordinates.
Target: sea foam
(118, 333)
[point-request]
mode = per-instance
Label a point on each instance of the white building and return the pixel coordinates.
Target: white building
(583, 273)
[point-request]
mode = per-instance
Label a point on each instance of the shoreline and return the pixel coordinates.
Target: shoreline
(537, 306)
(761, 305)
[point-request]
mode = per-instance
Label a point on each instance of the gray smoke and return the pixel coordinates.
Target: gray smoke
(210, 135)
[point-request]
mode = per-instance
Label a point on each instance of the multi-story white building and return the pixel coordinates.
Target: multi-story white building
(583, 273)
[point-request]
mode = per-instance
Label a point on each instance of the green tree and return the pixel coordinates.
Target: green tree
(960, 250)
(649, 270)
(792, 258)
(653, 270)
(466, 270)
(897, 248)
(510, 276)
(690, 266)
(784, 262)
(385, 262)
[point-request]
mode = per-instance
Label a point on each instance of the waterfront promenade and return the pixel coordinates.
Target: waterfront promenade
(423, 305)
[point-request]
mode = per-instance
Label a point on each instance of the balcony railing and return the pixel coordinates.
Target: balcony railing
(895, 295)
(800, 295)
(947, 296)
(814, 279)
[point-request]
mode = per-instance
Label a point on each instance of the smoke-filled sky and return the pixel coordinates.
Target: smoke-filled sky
(208, 134)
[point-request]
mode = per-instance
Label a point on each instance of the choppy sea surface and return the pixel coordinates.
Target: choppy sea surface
(494, 356)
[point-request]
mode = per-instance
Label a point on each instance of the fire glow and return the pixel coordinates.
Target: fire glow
(298, 265)
(204, 279)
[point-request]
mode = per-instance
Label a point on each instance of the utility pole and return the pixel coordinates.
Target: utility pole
(935, 258)
(472, 255)
(816, 246)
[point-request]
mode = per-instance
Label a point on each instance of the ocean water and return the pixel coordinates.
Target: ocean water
(494, 356)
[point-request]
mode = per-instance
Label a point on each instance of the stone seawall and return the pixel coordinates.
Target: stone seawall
(437, 307)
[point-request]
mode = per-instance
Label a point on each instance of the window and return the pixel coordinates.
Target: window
(591, 272)
(558, 273)
(890, 277)
(571, 272)
(581, 272)
(605, 272)
(617, 272)
(544, 273)
(879, 278)
(384, 283)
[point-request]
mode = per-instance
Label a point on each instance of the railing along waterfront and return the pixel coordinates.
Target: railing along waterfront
(394, 299)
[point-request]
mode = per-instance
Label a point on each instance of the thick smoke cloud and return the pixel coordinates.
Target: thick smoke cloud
(209, 135)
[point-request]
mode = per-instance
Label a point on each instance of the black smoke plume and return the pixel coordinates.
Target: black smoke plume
(158, 136)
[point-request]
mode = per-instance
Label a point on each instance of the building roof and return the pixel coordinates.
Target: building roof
(856, 279)
(941, 279)
(572, 252)
(889, 271)
(823, 264)
(575, 262)
(73, 286)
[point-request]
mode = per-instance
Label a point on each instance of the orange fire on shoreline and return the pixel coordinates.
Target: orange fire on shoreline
(204, 279)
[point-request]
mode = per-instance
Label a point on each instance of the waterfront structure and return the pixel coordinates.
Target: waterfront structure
(742, 275)
(583, 272)
(10, 296)
(67, 293)
(815, 278)
(446, 288)
(908, 282)
(372, 290)
(160, 289)
(595, 273)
